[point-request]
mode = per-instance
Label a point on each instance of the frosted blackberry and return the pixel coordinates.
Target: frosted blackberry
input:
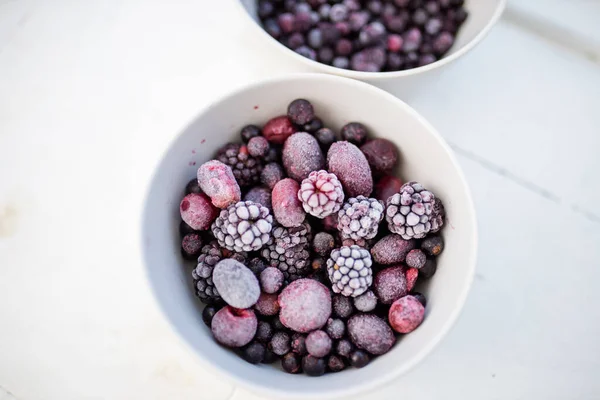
(244, 226)
(359, 218)
(409, 213)
(288, 250)
(246, 169)
(211, 254)
(349, 270)
(321, 194)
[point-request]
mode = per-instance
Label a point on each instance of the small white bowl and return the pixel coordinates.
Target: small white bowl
(483, 14)
(425, 157)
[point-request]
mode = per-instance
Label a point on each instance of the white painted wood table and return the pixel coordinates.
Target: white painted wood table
(91, 92)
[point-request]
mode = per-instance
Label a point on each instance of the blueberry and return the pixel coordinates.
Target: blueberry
(341, 62)
(277, 325)
(335, 328)
(412, 40)
(193, 187)
(359, 358)
(286, 22)
(313, 366)
(343, 47)
(315, 38)
(395, 23)
(314, 125)
(395, 62)
(330, 33)
(302, 8)
(432, 7)
(208, 313)
(372, 33)
(191, 245)
(272, 28)
(306, 52)
(335, 363)
(460, 16)
(303, 21)
(375, 6)
(184, 228)
(342, 306)
(419, 17)
(339, 12)
(443, 42)
(425, 59)
(324, 10)
(355, 133)
(358, 20)
(264, 332)
(289, 5)
(411, 60)
(325, 55)
(269, 357)
(300, 112)
(388, 10)
(280, 343)
(265, 8)
(450, 26)
(420, 297)
(274, 155)
(369, 60)
(254, 353)
(344, 348)
(295, 40)
(291, 363)
(428, 270)
(433, 26)
(249, 131)
(432, 245)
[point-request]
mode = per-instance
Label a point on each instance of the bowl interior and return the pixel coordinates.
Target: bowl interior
(481, 14)
(424, 157)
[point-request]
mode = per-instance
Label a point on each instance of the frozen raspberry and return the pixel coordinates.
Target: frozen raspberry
(342, 306)
(259, 195)
(191, 245)
(278, 129)
(335, 363)
(386, 187)
(371, 333)
(248, 132)
(236, 284)
(411, 275)
(391, 249)
(355, 133)
(381, 155)
(193, 187)
(267, 304)
(300, 112)
(291, 363)
(287, 209)
(197, 211)
(305, 305)
(258, 146)
(233, 327)
(433, 245)
(302, 155)
(323, 243)
(271, 174)
(365, 302)
(330, 223)
(390, 284)
(313, 366)
(406, 314)
(428, 270)
(336, 328)
(318, 343)
(217, 181)
(349, 164)
(280, 343)
(416, 258)
(299, 344)
(271, 280)
(321, 194)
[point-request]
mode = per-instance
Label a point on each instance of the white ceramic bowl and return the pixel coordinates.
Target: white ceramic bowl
(425, 157)
(483, 14)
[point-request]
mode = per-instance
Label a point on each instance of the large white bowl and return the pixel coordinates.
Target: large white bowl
(425, 157)
(483, 14)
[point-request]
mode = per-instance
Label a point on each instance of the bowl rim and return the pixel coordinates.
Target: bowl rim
(377, 76)
(387, 376)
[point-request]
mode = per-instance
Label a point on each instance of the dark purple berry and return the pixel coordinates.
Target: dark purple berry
(433, 245)
(401, 3)
(420, 297)
(411, 59)
(445, 3)
(264, 332)
(388, 10)
(375, 6)
(289, 5)
(428, 270)
(185, 229)
(443, 42)
(341, 62)
(191, 245)
(335, 363)
(298, 344)
(416, 259)
(358, 20)
(257, 265)
(426, 59)
(330, 33)
(313, 125)
(352, 5)
(300, 112)
(249, 131)
(372, 34)
(302, 8)
(274, 155)
(325, 55)
(258, 147)
(315, 38)
(342, 306)
(460, 16)
(343, 27)
(272, 28)
(355, 133)
(369, 60)
(339, 12)
(269, 357)
(394, 62)
(254, 353)
(325, 137)
(433, 26)
(291, 363)
(295, 40)
(303, 21)
(335, 328)
(306, 52)
(286, 22)
(412, 40)
(193, 187)
(432, 7)
(343, 47)
(277, 325)
(344, 348)
(271, 174)
(280, 343)
(359, 358)
(313, 366)
(324, 10)
(208, 313)
(419, 17)
(265, 8)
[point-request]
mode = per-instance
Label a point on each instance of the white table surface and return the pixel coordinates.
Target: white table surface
(91, 92)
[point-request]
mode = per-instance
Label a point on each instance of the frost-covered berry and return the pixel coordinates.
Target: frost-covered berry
(390, 284)
(259, 195)
(382, 156)
(359, 218)
(278, 129)
(409, 212)
(217, 181)
(344, 348)
(287, 208)
(236, 284)
(302, 155)
(197, 211)
(323, 243)
(318, 343)
(298, 344)
(313, 366)
(233, 327)
(365, 302)
(258, 146)
(406, 314)
(267, 304)
(291, 363)
(433, 245)
(391, 249)
(342, 306)
(371, 333)
(271, 280)
(349, 164)
(416, 258)
(244, 226)
(336, 328)
(305, 305)
(349, 270)
(273, 173)
(321, 194)
(335, 363)
(280, 343)
(300, 111)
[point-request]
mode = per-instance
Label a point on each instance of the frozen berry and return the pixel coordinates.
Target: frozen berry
(193, 187)
(313, 366)
(335, 328)
(365, 302)
(271, 174)
(358, 20)
(287, 208)
(236, 284)
(280, 343)
(305, 305)
(391, 249)
(299, 344)
(386, 187)
(390, 284)
(191, 245)
(295, 40)
(323, 243)
(416, 258)
(342, 306)
(217, 181)
(197, 211)
(248, 132)
(208, 313)
(300, 111)
(278, 129)
(411, 275)
(291, 363)
(272, 28)
(349, 270)
(428, 270)
(412, 40)
(359, 359)
(394, 43)
(343, 47)
(258, 146)
(330, 223)
(371, 333)
(254, 353)
(335, 363)
(406, 314)
(185, 229)
(419, 296)
(286, 22)
(277, 325)
(355, 133)
(433, 245)
(264, 331)
(318, 343)
(259, 195)
(341, 62)
(302, 155)
(318, 264)
(344, 348)
(307, 52)
(339, 12)
(233, 327)
(381, 155)
(372, 34)
(270, 357)
(349, 164)
(271, 280)
(443, 42)
(274, 155)
(257, 265)
(321, 194)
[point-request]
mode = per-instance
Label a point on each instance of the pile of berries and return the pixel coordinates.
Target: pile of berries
(365, 35)
(308, 249)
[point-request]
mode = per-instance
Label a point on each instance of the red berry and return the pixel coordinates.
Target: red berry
(278, 129)
(217, 181)
(381, 154)
(349, 164)
(406, 314)
(233, 327)
(302, 155)
(386, 187)
(390, 284)
(305, 305)
(391, 249)
(197, 211)
(287, 209)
